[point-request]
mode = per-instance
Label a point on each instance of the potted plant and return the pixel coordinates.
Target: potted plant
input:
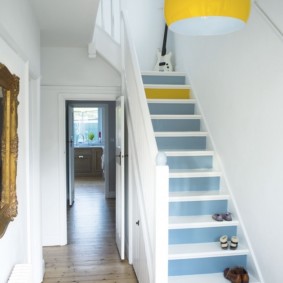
(91, 136)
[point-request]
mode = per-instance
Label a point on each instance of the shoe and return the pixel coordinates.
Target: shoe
(232, 275)
(236, 275)
(244, 274)
(234, 243)
(222, 216)
(224, 242)
(217, 217)
(227, 216)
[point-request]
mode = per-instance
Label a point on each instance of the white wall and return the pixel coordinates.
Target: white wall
(72, 67)
(67, 74)
(238, 81)
(147, 30)
(19, 51)
(19, 26)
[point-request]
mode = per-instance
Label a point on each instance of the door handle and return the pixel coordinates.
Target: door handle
(138, 223)
(122, 156)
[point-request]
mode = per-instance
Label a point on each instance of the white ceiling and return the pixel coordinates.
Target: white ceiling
(66, 23)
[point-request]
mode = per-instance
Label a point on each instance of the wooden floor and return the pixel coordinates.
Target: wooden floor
(91, 255)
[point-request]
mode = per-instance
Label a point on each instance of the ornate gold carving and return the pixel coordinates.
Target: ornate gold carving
(9, 148)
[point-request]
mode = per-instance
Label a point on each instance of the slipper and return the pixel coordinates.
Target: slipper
(217, 217)
(224, 242)
(234, 243)
(227, 216)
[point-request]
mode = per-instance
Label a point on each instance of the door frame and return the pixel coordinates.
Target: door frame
(95, 95)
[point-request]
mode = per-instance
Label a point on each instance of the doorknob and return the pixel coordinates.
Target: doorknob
(138, 223)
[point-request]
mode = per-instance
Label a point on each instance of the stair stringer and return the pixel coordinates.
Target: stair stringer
(252, 261)
(107, 48)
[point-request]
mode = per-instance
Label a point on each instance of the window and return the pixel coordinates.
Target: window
(87, 125)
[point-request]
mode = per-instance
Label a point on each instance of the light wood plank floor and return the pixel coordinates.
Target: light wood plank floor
(91, 255)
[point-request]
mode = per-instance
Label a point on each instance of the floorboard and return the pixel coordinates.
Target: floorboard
(91, 255)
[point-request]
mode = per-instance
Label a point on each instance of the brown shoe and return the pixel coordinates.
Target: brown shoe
(245, 276)
(233, 275)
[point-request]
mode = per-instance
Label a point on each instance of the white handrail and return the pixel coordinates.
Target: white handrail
(269, 20)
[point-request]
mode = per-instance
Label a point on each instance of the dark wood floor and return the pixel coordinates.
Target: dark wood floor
(91, 255)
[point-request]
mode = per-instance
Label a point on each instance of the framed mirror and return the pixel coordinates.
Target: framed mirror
(9, 90)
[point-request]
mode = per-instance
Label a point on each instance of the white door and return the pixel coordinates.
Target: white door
(120, 194)
(71, 156)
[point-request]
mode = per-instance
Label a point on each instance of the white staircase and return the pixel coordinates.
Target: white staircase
(196, 192)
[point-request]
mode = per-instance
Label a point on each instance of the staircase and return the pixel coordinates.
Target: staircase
(196, 188)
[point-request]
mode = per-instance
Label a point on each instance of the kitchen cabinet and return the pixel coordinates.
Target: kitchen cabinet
(88, 162)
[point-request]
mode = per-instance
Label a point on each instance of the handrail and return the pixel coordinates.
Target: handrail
(269, 20)
(140, 88)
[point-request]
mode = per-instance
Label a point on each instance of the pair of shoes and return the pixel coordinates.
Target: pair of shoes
(236, 275)
(222, 216)
(233, 243)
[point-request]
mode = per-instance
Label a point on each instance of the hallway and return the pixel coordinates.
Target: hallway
(91, 255)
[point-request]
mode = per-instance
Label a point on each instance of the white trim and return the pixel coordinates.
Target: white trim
(203, 250)
(175, 117)
(180, 101)
(160, 86)
(169, 74)
(189, 153)
(76, 94)
(180, 134)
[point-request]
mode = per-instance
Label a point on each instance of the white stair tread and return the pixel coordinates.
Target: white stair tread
(167, 86)
(203, 250)
(174, 117)
(197, 195)
(173, 101)
(181, 134)
(163, 74)
(199, 221)
(189, 152)
(193, 173)
(204, 278)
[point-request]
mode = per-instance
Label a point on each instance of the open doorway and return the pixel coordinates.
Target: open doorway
(90, 147)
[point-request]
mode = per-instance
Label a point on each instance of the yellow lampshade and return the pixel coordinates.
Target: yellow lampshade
(206, 17)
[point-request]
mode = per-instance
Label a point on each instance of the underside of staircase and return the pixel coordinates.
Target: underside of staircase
(196, 188)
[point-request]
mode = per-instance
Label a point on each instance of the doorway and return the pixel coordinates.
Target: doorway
(90, 147)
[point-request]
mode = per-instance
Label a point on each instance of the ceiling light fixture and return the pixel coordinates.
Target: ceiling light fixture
(206, 17)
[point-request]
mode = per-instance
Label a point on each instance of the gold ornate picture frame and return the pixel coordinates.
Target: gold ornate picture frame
(9, 86)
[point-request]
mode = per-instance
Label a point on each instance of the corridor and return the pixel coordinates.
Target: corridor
(91, 255)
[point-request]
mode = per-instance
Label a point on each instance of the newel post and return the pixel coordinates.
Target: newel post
(161, 218)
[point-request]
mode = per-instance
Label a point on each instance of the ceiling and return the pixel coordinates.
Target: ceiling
(66, 23)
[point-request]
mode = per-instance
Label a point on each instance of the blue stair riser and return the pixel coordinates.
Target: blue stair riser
(204, 265)
(200, 235)
(171, 109)
(175, 125)
(197, 207)
(194, 184)
(166, 80)
(190, 162)
(186, 143)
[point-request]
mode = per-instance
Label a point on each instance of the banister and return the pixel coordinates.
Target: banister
(269, 20)
(148, 169)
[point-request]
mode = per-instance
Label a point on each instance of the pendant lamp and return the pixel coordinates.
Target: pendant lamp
(206, 17)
